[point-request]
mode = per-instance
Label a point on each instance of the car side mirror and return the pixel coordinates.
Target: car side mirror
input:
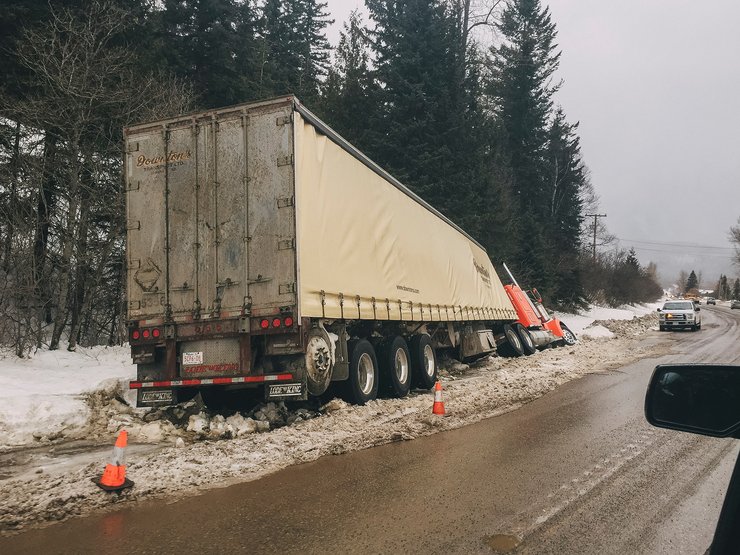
(698, 398)
(698, 309)
(659, 310)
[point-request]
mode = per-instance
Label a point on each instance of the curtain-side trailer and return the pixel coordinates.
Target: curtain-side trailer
(266, 255)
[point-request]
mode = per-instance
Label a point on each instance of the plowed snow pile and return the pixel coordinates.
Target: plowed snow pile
(208, 450)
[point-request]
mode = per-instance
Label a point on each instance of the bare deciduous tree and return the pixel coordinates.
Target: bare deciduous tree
(83, 89)
(735, 238)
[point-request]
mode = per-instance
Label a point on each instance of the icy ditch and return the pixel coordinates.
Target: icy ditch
(197, 460)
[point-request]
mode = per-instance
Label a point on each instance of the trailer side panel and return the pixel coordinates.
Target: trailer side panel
(369, 251)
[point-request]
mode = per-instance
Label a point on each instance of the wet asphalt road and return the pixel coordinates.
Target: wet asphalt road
(577, 471)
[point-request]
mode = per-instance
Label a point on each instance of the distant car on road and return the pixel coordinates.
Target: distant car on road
(710, 300)
(734, 304)
(680, 314)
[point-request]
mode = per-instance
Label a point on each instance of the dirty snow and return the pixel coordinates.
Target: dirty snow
(201, 450)
(587, 323)
(45, 397)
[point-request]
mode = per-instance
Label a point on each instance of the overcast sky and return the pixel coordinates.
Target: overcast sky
(655, 85)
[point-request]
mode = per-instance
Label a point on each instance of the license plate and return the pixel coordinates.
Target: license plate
(164, 396)
(192, 358)
(284, 390)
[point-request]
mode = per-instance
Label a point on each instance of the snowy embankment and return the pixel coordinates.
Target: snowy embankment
(587, 323)
(201, 450)
(49, 396)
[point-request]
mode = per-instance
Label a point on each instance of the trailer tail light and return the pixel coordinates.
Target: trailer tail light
(264, 324)
(288, 322)
(276, 323)
(156, 333)
(135, 334)
(145, 334)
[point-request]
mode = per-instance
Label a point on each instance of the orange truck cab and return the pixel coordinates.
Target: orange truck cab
(544, 329)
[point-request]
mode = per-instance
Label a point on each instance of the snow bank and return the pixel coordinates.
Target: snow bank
(46, 395)
(585, 323)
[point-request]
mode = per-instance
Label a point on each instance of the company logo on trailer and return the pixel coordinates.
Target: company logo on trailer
(144, 162)
(483, 272)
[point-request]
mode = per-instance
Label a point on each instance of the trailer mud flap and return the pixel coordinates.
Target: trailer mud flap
(155, 397)
(294, 391)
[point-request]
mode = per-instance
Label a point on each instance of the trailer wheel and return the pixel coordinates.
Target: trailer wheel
(423, 361)
(318, 362)
(362, 385)
(512, 347)
(568, 336)
(526, 339)
(395, 367)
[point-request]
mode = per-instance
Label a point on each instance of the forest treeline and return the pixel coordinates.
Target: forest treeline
(473, 128)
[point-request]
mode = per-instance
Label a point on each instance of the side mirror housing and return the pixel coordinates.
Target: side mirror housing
(659, 310)
(698, 398)
(698, 309)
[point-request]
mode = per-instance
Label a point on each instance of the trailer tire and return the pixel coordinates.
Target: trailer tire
(395, 367)
(569, 338)
(362, 385)
(512, 346)
(423, 361)
(528, 346)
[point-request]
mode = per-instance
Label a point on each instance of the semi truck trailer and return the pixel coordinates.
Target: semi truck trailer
(268, 257)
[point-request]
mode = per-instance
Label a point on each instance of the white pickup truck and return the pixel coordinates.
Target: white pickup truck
(679, 314)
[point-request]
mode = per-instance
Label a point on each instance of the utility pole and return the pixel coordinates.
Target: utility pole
(595, 217)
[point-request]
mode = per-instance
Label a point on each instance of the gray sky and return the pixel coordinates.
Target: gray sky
(655, 85)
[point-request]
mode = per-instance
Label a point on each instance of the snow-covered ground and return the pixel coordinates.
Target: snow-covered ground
(48, 396)
(583, 325)
(191, 449)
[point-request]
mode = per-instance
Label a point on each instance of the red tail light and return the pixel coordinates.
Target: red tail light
(155, 333)
(288, 322)
(264, 324)
(135, 334)
(276, 323)
(145, 334)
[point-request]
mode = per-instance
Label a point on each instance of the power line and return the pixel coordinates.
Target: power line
(678, 245)
(727, 256)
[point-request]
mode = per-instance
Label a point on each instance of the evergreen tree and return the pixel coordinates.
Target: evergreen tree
(736, 289)
(349, 95)
(211, 43)
(564, 216)
(417, 132)
(723, 289)
(521, 91)
(692, 282)
(295, 51)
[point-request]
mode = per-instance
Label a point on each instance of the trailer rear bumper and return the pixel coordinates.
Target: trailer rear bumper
(198, 382)
(277, 387)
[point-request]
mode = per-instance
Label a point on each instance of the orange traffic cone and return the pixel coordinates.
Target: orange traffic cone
(114, 475)
(439, 406)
